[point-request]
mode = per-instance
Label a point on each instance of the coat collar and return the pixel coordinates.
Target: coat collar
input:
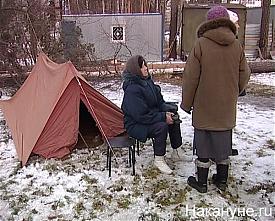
(213, 24)
(129, 78)
(222, 31)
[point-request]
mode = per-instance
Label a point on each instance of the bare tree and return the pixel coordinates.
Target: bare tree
(10, 39)
(73, 6)
(173, 30)
(114, 6)
(263, 43)
(216, 1)
(95, 6)
(24, 26)
(203, 1)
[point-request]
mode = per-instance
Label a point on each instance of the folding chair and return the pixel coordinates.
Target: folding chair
(138, 145)
(121, 142)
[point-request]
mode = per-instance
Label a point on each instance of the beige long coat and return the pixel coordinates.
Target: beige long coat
(216, 73)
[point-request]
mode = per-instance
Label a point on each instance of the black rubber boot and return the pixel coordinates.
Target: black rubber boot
(220, 179)
(201, 184)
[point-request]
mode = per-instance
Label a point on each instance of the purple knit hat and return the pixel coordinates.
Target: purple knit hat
(217, 12)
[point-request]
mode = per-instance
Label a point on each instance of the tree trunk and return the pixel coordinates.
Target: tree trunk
(153, 7)
(145, 6)
(99, 7)
(263, 43)
(173, 30)
(205, 1)
(82, 6)
(162, 8)
(106, 6)
(129, 6)
(73, 7)
(262, 66)
(91, 6)
(136, 6)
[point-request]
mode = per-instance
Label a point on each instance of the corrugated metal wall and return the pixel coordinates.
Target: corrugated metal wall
(143, 34)
(194, 14)
(252, 32)
(252, 36)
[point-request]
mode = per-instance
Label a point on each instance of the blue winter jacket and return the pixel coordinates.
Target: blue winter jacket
(142, 105)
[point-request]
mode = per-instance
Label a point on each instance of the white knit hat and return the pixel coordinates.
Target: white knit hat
(233, 16)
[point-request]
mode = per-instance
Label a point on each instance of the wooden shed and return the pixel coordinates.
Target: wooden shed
(194, 14)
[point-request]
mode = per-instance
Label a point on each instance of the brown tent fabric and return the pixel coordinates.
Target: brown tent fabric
(62, 125)
(109, 122)
(44, 113)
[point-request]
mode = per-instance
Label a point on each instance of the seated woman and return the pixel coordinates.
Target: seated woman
(145, 112)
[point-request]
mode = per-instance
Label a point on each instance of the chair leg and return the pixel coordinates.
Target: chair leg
(137, 147)
(107, 162)
(133, 160)
(130, 157)
(124, 142)
(153, 142)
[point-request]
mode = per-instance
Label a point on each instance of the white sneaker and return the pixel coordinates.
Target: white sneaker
(160, 163)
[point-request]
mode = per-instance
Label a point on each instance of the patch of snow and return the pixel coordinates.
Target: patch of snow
(263, 78)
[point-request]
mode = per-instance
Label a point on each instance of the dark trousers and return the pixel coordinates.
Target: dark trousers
(159, 132)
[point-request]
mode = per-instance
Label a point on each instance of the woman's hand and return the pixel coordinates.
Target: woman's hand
(169, 119)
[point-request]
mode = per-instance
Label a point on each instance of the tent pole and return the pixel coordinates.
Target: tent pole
(97, 121)
(83, 139)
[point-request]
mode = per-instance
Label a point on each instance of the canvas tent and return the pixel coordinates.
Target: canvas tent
(43, 115)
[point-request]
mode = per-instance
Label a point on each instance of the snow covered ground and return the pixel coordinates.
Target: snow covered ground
(263, 78)
(78, 188)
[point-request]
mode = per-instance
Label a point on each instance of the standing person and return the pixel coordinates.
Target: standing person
(233, 16)
(216, 72)
(145, 112)
(235, 19)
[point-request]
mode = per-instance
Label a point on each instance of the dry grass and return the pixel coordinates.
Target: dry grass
(261, 90)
